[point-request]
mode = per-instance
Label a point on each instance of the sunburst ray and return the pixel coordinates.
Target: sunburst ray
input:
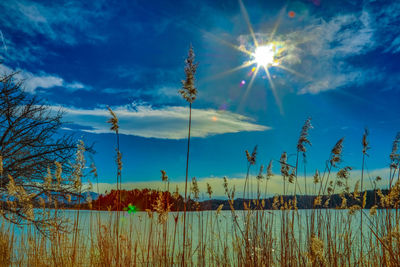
(239, 48)
(225, 73)
(246, 17)
(248, 88)
(277, 23)
(273, 89)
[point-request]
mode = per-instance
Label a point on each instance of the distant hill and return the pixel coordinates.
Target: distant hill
(153, 199)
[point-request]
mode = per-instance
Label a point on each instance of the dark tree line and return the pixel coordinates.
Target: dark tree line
(146, 199)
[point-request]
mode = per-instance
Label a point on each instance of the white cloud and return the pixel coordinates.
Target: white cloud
(166, 122)
(76, 85)
(331, 81)
(168, 92)
(327, 47)
(43, 81)
(274, 186)
(32, 81)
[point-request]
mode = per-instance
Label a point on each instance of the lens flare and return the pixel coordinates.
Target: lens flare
(131, 208)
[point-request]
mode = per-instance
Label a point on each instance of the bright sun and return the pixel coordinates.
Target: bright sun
(264, 55)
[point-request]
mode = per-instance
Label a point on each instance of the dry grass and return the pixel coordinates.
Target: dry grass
(330, 239)
(6, 246)
(253, 237)
(285, 237)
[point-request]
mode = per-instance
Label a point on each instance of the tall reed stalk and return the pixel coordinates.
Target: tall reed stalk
(115, 127)
(189, 93)
(363, 194)
(77, 175)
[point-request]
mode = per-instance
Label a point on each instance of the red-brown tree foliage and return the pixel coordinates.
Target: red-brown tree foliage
(141, 199)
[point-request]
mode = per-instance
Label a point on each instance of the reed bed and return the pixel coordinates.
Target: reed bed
(349, 235)
(277, 238)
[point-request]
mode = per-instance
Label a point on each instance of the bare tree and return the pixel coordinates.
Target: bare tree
(36, 160)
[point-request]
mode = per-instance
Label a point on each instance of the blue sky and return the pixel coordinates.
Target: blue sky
(339, 66)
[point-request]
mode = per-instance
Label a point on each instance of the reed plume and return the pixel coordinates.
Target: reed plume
(337, 152)
(301, 147)
(251, 160)
(164, 176)
(303, 139)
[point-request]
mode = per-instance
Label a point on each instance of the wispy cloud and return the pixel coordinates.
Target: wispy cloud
(32, 81)
(158, 84)
(55, 21)
(166, 122)
(327, 47)
(385, 17)
(158, 94)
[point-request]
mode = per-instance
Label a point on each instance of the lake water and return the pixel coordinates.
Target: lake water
(221, 228)
(140, 221)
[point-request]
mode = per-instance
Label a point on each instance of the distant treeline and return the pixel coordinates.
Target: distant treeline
(147, 199)
(141, 199)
